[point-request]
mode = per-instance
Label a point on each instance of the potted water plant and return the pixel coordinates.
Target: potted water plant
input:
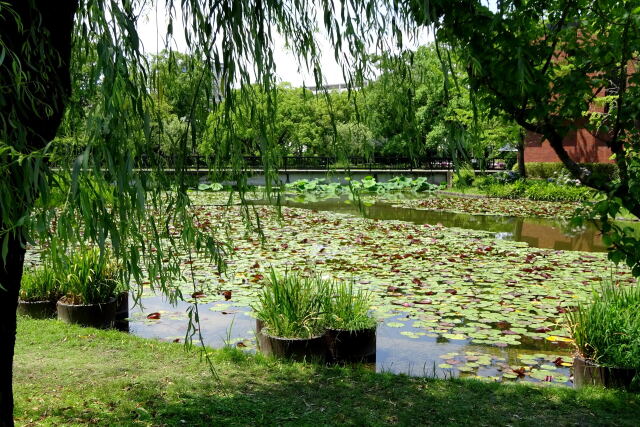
(289, 313)
(39, 292)
(91, 289)
(351, 331)
(606, 333)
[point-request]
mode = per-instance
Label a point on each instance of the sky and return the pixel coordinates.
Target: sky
(152, 31)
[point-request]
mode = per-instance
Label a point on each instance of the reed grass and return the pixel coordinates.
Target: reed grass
(91, 277)
(40, 284)
(291, 306)
(607, 330)
(346, 308)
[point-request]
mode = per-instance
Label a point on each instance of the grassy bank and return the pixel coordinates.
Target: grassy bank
(74, 376)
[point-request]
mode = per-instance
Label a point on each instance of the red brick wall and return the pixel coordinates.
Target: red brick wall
(582, 146)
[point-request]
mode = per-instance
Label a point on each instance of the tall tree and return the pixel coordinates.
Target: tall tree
(106, 200)
(545, 63)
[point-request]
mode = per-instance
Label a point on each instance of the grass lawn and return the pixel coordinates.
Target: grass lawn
(67, 375)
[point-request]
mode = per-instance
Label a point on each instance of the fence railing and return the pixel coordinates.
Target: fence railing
(324, 163)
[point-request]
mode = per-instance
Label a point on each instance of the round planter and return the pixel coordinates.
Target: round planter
(99, 315)
(122, 312)
(585, 372)
(352, 346)
(311, 349)
(122, 306)
(37, 309)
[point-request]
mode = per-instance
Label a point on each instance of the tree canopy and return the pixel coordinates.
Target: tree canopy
(539, 63)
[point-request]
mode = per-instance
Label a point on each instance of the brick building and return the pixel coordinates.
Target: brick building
(582, 146)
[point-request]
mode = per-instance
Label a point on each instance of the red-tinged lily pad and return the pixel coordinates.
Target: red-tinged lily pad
(424, 301)
(227, 295)
(451, 291)
(198, 294)
(153, 316)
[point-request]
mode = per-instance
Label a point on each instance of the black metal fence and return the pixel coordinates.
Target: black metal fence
(325, 163)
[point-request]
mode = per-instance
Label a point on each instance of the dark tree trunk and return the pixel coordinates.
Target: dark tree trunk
(38, 36)
(521, 168)
(10, 275)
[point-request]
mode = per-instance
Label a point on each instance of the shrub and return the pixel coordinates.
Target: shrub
(464, 176)
(90, 277)
(346, 309)
(40, 284)
(607, 330)
(291, 305)
(540, 190)
(545, 170)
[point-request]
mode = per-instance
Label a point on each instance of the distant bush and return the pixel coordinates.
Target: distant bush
(540, 190)
(464, 176)
(545, 170)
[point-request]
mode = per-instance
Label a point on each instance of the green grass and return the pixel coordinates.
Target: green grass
(348, 309)
(67, 375)
(40, 284)
(607, 329)
(291, 305)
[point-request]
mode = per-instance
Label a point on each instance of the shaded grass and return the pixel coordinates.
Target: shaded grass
(74, 376)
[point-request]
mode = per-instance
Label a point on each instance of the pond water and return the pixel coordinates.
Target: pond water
(536, 232)
(506, 332)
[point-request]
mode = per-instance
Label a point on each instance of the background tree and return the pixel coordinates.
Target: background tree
(421, 104)
(544, 63)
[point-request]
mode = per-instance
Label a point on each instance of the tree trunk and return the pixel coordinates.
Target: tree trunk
(10, 275)
(36, 36)
(521, 168)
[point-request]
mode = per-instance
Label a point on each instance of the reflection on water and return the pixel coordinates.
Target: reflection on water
(537, 232)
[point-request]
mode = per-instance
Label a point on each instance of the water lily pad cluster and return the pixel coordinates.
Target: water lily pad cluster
(457, 284)
(537, 367)
(493, 206)
(366, 185)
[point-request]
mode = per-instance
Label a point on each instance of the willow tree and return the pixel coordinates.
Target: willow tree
(45, 44)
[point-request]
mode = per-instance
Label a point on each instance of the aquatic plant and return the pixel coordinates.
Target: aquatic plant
(90, 277)
(40, 284)
(607, 330)
(290, 305)
(346, 308)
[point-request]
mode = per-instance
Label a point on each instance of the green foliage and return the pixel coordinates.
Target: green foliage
(297, 120)
(41, 284)
(464, 177)
(291, 306)
(347, 309)
(417, 106)
(354, 140)
(561, 58)
(540, 190)
(607, 330)
(214, 186)
(90, 276)
(545, 170)
(366, 185)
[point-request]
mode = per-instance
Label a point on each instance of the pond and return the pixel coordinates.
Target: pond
(536, 232)
(450, 301)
